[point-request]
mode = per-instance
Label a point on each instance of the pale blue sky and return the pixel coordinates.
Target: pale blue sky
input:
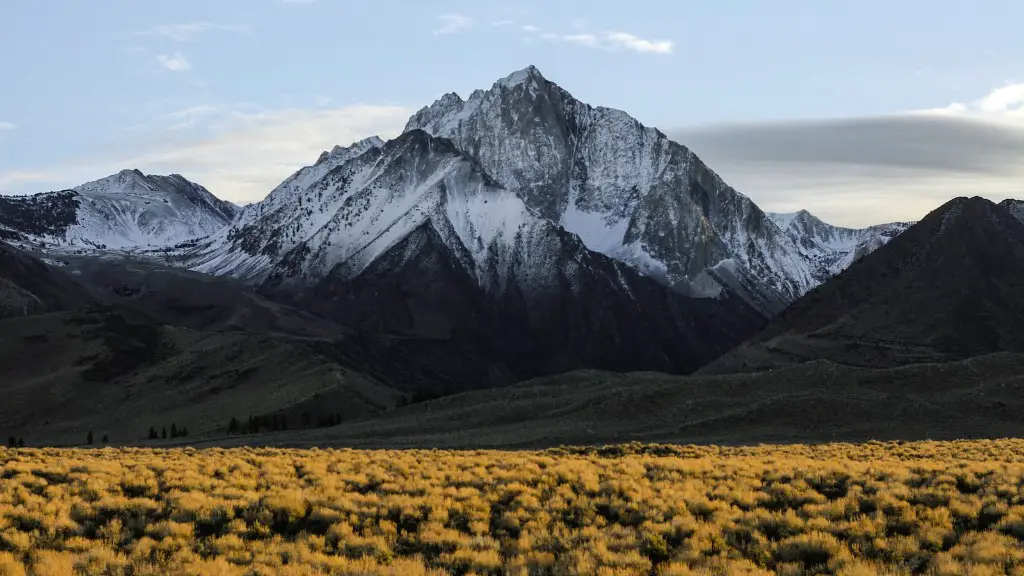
(238, 93)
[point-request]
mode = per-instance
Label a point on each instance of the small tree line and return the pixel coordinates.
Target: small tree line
(279, 422)
(90, 439)
(162, 434)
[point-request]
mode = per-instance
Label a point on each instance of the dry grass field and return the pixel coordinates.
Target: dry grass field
(876, 508)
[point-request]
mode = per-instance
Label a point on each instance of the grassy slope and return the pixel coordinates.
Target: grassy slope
(819, 401)
(118, 374)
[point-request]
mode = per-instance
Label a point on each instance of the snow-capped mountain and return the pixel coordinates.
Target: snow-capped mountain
(1016, 207)
(833, 248)
(626, 189)
(125, 211)
(413, 236)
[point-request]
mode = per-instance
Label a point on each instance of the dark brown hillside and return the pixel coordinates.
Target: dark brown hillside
(28, 286)
(948, 288)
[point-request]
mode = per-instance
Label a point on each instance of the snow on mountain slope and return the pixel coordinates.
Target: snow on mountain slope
(412, 237)
(125, 211)
(833, 248)
(625, 189)
(371, 200)
(1016, 207)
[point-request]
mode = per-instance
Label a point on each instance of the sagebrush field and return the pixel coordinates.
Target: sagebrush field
(877, 508)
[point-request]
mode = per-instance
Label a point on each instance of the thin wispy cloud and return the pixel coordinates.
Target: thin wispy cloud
(632, 42)
(243, 155)
(189, 117)
(501, 23)
(7, 126)
(176, 62)
(611, 41)
(190, 31)
(588, 40)
(452, 23)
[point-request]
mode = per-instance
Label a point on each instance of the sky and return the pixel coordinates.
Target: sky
(861, 112)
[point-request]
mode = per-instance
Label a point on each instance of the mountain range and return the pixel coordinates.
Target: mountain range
(947, 289)
(127, 211)
(515, 234)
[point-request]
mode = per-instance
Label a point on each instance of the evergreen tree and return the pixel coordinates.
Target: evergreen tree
(88, 438)
(12, 442)
(105, 440)
(21, 442)
(233, 426)
(183, 432)
(153, 434)
(163, 433)
(174, 430)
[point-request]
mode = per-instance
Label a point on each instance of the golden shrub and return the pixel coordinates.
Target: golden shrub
(847, 509)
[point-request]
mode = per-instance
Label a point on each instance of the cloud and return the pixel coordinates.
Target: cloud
(588, 40)
(636, 44)
(189, 117)
(867, 170)
(1003, 105)
(452, 23)
(246, 156)
(500, 23)
(611, 41)
(189, 32)
(6, 126)
(1009, 100)
(175, 63)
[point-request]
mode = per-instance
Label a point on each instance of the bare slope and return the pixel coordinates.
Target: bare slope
(119, 373)
(818, 401)
(28, 286)
(946, 289)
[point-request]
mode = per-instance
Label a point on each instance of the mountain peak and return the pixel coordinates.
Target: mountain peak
(1015, 207)
(354, 148)
(965, 208)
(528, 74)
(946, 288)
(130, 173)
(788, 219)
(449, 99)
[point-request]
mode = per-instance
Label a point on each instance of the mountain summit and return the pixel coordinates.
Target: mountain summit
(127, 210)
(626, 189)
(414, 238)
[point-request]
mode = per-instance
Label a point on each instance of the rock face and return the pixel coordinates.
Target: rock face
(627, 190)
(945, 289)
(414, 237)
(1015, 207)
(126, 211)
(830, 248)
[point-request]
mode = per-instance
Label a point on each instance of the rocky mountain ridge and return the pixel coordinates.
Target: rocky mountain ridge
(628, 191)
(126, 211)
(413, 237)
(945, 289)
